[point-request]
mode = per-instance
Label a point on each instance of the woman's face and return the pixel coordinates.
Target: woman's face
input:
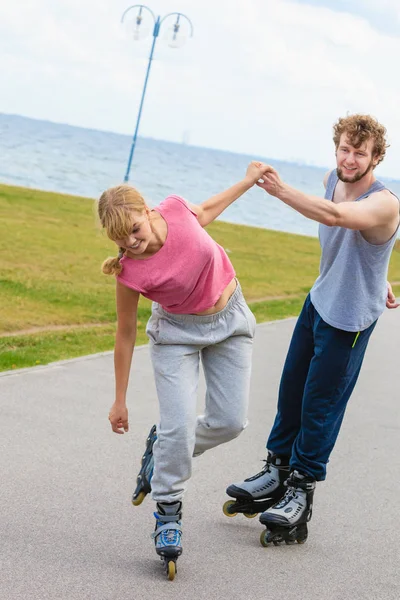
(138, 240)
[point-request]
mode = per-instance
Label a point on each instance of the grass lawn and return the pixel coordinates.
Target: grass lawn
(51, 283)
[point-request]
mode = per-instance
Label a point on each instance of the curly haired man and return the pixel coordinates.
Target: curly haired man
(359, 220)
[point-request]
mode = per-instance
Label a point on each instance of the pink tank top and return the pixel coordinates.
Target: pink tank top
(189, 273)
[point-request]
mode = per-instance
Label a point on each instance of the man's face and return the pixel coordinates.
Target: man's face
(354, 163)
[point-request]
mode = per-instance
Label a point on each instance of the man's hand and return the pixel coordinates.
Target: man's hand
(271, 181)
(255, 171)
(118, 418)
(391, 298)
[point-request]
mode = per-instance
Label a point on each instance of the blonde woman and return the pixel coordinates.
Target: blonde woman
(198, 313)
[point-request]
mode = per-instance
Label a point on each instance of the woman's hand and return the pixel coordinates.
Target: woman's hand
(118, 417)
(255, 171)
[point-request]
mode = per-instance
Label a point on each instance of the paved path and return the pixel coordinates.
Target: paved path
(68, 530)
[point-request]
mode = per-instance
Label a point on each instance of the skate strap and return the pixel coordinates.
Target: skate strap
(167, 518)
(165, 527)
(298, 484)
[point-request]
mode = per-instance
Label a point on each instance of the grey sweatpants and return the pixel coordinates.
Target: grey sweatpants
(224, 343)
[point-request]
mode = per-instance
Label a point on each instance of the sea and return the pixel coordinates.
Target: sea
(84, 162)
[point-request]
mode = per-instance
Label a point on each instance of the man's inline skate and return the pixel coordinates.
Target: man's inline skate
(257, 493)
(143, 479)
(168, 535)
(287, 520)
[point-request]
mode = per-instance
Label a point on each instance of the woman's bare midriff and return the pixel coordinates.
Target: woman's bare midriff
(223, 299)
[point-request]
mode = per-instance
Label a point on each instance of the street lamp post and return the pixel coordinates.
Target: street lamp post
(175, 43)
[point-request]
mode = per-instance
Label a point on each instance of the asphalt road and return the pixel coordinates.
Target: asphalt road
(68, 530)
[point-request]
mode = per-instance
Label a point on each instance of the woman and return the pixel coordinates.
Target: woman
(198, 312)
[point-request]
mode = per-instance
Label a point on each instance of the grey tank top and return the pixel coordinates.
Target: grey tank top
(351, 290)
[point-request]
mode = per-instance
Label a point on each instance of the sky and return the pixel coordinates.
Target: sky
(262, 77)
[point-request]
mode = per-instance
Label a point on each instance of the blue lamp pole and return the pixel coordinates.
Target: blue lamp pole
(174, 43)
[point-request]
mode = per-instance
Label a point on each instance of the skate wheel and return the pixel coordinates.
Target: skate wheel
(139, 499)
(264, 538)
(302, 534)
(302, 540)
(171, 570)
(227, 506)
(250, 515)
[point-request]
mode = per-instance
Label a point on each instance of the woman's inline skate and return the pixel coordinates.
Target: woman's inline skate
(143, 479)
(168, 535)
(257, 493)
(286, 521)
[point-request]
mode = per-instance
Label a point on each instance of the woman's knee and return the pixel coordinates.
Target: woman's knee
(233, 428)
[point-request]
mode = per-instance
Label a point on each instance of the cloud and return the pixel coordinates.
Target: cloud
(383, 15)
(265, 77)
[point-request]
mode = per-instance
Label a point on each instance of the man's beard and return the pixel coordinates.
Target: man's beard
(357, 176)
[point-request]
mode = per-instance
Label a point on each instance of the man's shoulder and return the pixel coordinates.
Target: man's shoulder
(384, 195)
(326, 177)
(385, 204)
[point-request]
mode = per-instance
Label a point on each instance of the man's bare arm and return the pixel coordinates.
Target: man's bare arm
(377, 211)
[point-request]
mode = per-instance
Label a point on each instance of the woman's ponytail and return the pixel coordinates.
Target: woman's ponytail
(112, 266)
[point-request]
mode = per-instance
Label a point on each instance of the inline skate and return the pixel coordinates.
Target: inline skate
(257, 493)
(286, 521)
(143, 479)
(168, 535)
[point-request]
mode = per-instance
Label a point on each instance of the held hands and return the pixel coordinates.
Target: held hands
(255, 171)
(118, 418)
(391, 298)
(271, 182)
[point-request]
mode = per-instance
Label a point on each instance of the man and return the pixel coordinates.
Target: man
(358, 220)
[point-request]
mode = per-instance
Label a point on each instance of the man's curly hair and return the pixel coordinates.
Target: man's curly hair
(359, 129)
